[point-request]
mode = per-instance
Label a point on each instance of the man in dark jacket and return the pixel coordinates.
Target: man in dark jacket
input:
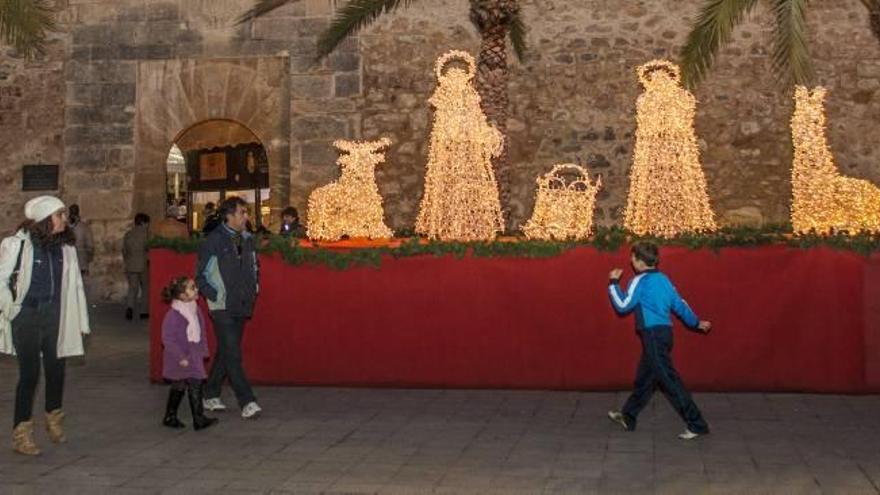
(227, 274)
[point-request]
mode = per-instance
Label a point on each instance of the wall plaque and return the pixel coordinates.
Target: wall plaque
(39, 178)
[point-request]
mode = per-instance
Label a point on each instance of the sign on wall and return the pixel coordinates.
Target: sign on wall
(39, 178)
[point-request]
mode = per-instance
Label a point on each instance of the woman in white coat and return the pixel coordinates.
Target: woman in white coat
(43, 313)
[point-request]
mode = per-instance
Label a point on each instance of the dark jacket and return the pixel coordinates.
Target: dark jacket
(229, 280)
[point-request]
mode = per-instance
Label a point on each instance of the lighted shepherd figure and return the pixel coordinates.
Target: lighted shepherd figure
(667, 193)
(823, 200)
(351, 206)
(461, 200)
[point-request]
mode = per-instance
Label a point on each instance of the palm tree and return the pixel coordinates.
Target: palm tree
(791, 61)
(24, 25)
(714, 27)
(495, 21)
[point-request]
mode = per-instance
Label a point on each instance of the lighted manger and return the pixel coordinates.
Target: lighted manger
(823, 200)
(667, 194)
(563, 208)
(351, 206)
(461, 201)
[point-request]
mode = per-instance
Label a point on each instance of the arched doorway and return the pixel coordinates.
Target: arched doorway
(210, 161)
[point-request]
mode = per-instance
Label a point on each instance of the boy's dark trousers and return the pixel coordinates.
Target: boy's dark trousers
(227, 361)
(656, 370)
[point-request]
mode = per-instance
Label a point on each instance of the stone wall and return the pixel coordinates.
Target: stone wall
(85, 106)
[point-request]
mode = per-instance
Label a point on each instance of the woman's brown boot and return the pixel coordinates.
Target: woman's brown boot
(23, 439)
(55, 426)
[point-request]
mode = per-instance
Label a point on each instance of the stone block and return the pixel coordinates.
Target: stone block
(117, 94)
(344, 62)
(100, 72)
(163, 11)
(318, 127)
(98, 134)
(311, 86)
(107, 205)
(319, 153)
(868, 68)
(347, 85)
(102, 115)
(83, 94)
(288, 28)
(96, 34)
(91, 158)
(145, 52)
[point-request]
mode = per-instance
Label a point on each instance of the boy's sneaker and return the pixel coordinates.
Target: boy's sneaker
(250, 410)
(214, 404)
(689, 435)
(619, 418)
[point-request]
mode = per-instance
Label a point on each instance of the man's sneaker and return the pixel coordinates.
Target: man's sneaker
(689, 435)
(619, 418)
(250, 410)
(214, 404)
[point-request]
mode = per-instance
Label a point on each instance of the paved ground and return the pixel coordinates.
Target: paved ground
(324, 440)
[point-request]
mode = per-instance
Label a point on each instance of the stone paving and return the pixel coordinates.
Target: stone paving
(353, 441)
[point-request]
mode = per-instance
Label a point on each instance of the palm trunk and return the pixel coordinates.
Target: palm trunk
(492, 18)
(873, 7)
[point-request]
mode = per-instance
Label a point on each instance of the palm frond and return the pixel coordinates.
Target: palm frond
(713, 28)
(518, 36)
(791, 58)
(351, 18)
(24, 25)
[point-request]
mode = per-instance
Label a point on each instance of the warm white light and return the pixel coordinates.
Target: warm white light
(822, 199)
(667, 194)
(563, 210)
(461, 200)
(350, 206)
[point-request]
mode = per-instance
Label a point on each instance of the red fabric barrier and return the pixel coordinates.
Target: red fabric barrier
(785, 319)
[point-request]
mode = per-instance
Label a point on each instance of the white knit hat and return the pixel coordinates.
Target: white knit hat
(41, 207)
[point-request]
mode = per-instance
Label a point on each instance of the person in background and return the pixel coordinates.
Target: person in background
(85, 245)
(290, 226)
(181, 210)
(136, 261)
(212, 218)
(170, 228)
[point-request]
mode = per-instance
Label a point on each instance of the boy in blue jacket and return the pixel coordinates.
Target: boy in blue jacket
(652, 296)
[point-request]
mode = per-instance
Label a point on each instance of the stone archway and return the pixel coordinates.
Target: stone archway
(173, 95)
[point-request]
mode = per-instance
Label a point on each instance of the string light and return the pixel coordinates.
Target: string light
(667, 194)
(563, 210)
(350, 206)
(461, 200)
(823, 200)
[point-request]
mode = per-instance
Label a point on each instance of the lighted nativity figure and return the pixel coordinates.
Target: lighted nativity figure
(667, 193)
(823, 200)
(461, 199)
(351, 206)
(564, 204)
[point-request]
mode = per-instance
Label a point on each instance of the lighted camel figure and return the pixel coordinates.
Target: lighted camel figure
(823, 200)
(350, 206)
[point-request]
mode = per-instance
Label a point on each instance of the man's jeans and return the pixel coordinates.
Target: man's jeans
(227, 361)
(656, 370)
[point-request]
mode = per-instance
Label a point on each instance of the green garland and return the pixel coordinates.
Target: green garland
(608, 239)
